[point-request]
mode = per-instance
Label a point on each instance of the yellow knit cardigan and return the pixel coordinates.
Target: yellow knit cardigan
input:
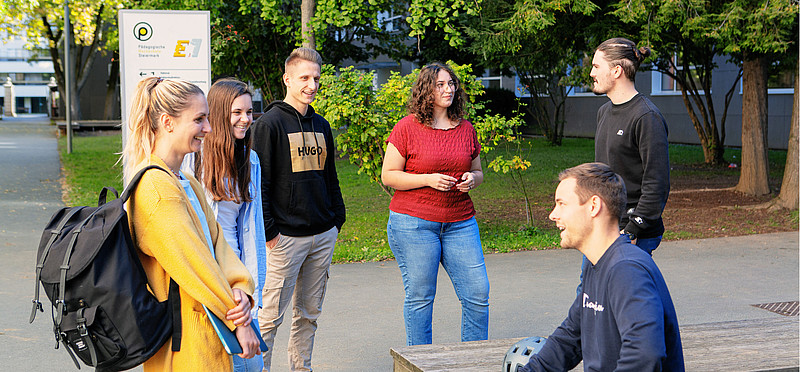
(172, 244)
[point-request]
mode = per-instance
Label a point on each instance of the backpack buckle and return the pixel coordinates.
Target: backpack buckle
(61, 305)
(81, 321)
(82, 329)
(38, 305)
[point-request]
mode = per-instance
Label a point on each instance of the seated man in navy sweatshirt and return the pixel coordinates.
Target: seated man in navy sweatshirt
(623, 319)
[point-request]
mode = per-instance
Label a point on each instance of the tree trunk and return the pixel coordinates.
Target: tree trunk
(111, 88)
(788, 197)
(76, 102)
(754, 176)
(306, 13)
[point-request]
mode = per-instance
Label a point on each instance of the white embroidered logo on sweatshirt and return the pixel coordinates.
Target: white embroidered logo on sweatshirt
(592, 305)
(619, 132)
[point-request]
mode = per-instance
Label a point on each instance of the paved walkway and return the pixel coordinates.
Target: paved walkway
(710, 280)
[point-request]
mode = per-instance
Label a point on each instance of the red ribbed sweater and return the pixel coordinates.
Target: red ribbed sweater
(429, 150)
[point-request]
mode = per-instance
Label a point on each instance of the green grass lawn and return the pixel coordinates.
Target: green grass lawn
(500, 204)
(90, 167)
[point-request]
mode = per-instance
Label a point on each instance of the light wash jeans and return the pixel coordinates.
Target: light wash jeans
(419, 246)
(254, 364)
(648, 245)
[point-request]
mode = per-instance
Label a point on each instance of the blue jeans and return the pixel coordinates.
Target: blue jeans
(419, 246)
(648, 245)
(254, 364)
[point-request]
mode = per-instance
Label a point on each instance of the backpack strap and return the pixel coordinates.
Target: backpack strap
(84, 333)
(174, 297)
(61, 308)
(175, 308)
(69, 350)
(54, 233)
(135, 180)
(101, 198)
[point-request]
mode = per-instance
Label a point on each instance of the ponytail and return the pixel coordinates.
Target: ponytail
(153, 96)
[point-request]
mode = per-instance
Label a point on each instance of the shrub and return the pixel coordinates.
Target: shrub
(349, 101)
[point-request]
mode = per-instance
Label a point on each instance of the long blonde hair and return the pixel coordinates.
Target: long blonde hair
(153, 96)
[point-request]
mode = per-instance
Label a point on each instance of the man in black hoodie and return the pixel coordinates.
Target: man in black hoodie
(302, 204)
(631, 137)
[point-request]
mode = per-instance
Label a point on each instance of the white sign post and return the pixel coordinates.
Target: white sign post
(169, 44)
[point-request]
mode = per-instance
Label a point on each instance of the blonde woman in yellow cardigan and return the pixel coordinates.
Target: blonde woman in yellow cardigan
(168, 120)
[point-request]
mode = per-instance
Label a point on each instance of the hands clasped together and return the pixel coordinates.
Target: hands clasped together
(443, 182)
(241, 317)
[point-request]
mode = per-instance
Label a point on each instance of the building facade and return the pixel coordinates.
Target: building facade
(27, 77)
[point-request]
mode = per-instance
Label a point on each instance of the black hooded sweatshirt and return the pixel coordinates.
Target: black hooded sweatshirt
(299, 186)
(632, 139)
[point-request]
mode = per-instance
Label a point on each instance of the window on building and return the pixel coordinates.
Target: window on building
(389, 22)
(14, 54)
(664, 84)
(21, 109)
(540, 86)
(492, 78)
(780, 82)
(584, 87)
(39, 105)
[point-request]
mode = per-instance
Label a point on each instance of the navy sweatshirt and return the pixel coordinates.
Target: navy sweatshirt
(299, 186)
(624, 319)
(632, 139)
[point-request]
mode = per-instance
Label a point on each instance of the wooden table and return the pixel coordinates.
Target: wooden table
(771, 344)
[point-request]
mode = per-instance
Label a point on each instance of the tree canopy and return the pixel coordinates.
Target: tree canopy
(92, 29)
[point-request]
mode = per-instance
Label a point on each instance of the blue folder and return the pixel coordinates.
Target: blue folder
(227, 337)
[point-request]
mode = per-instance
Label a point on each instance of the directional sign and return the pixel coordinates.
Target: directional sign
(170, 44)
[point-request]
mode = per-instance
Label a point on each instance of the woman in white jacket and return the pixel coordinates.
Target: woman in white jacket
(231, 176)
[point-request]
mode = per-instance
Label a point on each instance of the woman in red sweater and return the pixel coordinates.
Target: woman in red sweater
(432, 161)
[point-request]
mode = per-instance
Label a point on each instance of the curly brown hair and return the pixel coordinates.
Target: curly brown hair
(423, 95)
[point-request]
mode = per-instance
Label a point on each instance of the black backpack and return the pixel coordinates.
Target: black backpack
(102, 309)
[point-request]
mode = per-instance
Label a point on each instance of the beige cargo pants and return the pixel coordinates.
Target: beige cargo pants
(297, 270)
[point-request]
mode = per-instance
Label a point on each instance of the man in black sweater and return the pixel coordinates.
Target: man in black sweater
(623, 319)
(303, 207)
(631, 137)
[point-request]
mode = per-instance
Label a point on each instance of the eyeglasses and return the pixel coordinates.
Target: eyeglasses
(452, 84)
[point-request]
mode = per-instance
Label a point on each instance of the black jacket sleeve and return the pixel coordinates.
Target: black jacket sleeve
(264, 137)
(651, 132)
(332, 181)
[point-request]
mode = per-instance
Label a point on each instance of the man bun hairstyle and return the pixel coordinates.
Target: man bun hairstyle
(598, 179)
(302, 54)
(620, 51)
